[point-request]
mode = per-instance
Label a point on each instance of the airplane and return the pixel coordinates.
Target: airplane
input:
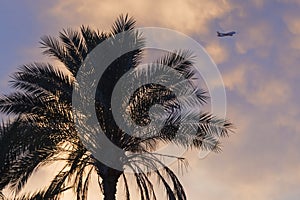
(226, 34)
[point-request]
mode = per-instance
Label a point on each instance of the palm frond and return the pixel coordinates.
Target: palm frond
(92, 37)
(127, 193)
(180, 60)
(75, 48)
(21, 103)
(42, 195)
(55, 48)
(2, 197)
(123, 23)
(25, 148)
(40, 78)
(86, 185)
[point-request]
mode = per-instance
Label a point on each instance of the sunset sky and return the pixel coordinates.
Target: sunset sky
(260, 67)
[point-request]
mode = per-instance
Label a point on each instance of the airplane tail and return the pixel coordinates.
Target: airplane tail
(219, 34)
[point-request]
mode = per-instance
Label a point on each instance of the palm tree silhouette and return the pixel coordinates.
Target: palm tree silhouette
(42, 129)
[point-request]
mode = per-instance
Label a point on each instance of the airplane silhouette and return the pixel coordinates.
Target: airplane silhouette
(226, 34)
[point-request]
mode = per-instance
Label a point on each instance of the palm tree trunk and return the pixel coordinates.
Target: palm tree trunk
(110, 187)
(110, 177)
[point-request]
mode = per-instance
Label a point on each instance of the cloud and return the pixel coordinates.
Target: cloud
(235, 78)
(258, 3)
(289, 1)
(270, 92)
(186, 16)
(256, 162)
(260, 72)
(255, 29)
(289, 120)
(292, 21)
(287, 51)
(256, 36)
(256, 86)
(217, 51)
(289, 56)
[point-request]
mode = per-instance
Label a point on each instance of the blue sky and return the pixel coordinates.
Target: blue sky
(259, 66)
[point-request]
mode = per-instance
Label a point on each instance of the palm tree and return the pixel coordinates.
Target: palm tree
(41, 129)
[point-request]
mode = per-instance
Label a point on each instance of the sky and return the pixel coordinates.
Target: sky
(259, 67)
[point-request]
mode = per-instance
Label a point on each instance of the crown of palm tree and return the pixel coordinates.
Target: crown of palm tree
(42, 129)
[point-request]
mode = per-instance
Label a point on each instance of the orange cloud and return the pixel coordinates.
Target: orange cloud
(292, 21)
(257, 88)
(187, 16)
(257, 36)
(217, 51)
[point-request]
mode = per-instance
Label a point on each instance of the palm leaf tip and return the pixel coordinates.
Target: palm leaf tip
(123, 23)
